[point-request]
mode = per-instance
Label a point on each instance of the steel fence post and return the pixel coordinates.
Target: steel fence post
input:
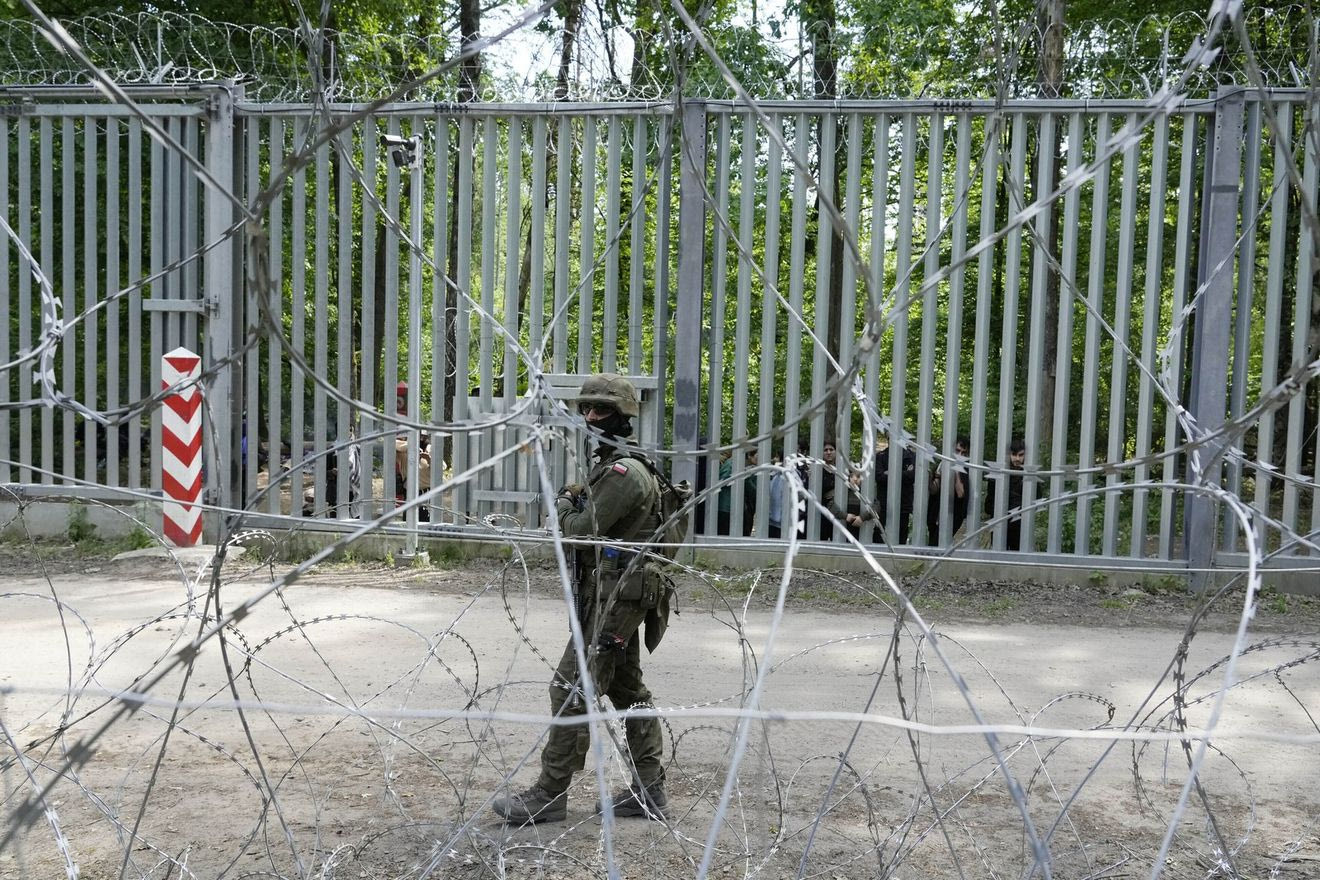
(691, 288)
(223, 439)
(1208, 382)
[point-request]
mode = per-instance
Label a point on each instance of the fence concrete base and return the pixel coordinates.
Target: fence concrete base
(1002, 567)
(49, 517)
(51, 511)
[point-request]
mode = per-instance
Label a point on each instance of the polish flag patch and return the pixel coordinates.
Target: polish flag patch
(620, 468)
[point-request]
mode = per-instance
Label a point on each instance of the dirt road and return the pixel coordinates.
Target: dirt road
(381, 711)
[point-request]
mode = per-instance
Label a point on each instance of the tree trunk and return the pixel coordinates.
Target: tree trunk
(424, 25)
(572, 19)
(469, 72)
(378, 310)
(469, 84)
(822, 21)
(835, 328)
(449, 384)
(1312, 404)
(644, 37)
(572, 11)
(1050, 85)
(525, 264)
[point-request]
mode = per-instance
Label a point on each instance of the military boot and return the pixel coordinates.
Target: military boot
(532, 806)
(649, 801)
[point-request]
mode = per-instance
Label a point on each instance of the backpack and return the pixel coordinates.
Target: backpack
(674, 521)
(671, 509)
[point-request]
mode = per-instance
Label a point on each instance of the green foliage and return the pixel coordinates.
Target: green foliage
(1273, 601)
(364, 16)
(450, 552)
(138, 539)
(926, 31)
(80, 529)
(1165, 584)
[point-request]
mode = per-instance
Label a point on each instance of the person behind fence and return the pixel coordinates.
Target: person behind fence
(958, 492)
(828, 453)
(906, 489)
(781, 501)
(615, 593)
(401, 448)
(327, 504)
(1017, 457)
(853, 512)
(724, 511)
(703, 481)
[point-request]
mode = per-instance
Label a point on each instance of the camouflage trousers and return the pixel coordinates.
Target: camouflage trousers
(617, 675)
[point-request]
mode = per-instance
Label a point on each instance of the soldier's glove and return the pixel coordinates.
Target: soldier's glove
(608, 642)
(572, 493)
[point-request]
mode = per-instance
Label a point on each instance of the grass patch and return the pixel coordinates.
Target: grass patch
(449, 552)
(88, 546)
(933, 605)
(80, 528)
(1273, 601)
(1165, 584)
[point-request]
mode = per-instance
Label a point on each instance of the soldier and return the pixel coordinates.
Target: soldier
(619, 503)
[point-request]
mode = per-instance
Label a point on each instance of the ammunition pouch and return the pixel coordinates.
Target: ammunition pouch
(657, 617)
(642, 587)
(626, 579)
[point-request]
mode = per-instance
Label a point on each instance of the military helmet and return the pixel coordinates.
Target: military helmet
(612, 389)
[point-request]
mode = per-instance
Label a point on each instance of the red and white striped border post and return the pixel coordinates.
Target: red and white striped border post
(181, 442)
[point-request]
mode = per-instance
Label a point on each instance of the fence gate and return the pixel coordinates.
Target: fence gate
(106, 200)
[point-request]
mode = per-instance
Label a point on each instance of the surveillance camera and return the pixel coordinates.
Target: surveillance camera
(404, 152)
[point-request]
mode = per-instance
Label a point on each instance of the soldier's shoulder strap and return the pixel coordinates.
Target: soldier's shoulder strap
(641, 467)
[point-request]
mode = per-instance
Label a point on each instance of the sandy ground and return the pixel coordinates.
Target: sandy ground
(381, 710)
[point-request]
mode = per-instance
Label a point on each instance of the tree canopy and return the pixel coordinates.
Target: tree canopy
(639, 48)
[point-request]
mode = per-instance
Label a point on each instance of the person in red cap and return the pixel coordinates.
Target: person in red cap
(401, 455)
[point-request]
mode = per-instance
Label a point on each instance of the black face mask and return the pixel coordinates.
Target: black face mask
(617, 425)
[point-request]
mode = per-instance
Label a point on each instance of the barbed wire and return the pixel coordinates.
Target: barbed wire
(289, 722)
(1102, 59)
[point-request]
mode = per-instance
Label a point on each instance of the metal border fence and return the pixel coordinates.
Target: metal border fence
(1092, 277)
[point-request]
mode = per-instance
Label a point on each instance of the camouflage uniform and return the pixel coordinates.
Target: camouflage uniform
(617, 591)
(619, 502)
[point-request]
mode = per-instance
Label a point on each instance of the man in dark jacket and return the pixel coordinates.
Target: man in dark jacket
(906, 490)
(959, 493)
(1017, 458)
